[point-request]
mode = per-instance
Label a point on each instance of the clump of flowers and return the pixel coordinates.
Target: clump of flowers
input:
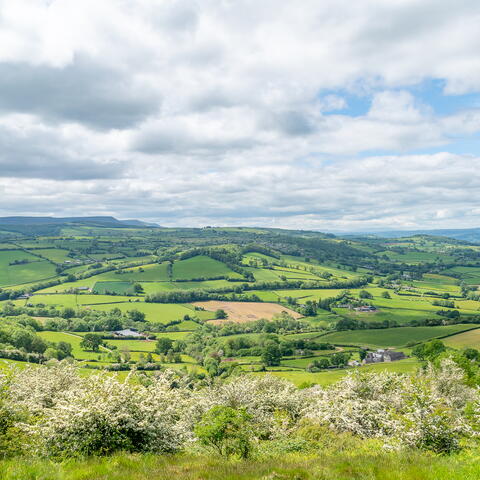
(98, 414)
(60, 413)
(425, 411)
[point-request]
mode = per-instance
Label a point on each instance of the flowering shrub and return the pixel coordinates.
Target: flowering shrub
(70, 415)
(62, 413)
(424, 411)
(275, 404)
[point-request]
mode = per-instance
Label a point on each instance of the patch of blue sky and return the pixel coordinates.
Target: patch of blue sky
(431, 92)
(356, 105)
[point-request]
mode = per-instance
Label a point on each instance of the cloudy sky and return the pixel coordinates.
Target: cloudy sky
(328, 115)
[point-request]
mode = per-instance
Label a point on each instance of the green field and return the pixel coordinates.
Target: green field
(469, 339)
(74, 340)
(391, 337)
(331, 376)
(119, 288)
(200, 266)
(470, 275)
(36, 269)
(152, 287)
(154, 312)
(55, 255)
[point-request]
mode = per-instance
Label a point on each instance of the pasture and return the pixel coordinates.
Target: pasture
(328, 377)
(154, 312)
(470, 339)
(200, 266)
(13, 270)
(55, 255)
(118, 288)
(391, 337)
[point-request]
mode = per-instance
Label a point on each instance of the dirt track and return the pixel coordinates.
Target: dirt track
(242, 312)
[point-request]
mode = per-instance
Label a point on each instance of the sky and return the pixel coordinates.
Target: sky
(330, 115)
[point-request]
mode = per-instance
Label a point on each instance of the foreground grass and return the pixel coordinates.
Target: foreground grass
(343, 466)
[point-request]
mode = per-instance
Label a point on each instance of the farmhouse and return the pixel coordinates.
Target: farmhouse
(366, 308)
(383, 356)
(128, 332)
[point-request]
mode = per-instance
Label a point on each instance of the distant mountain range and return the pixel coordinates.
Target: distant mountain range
(464, 234)
(102, 221)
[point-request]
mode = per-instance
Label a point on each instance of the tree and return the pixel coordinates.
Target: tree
(220, 314)
(164, 344)
(68, 312)
(339, 359)
(271, 354)
(471, 354)
(137, 288)
(429, 351)
(64, 350)
(365, 294)
(310, 308)
(227, 430)
(212, 366)
(136, 316)
(386, 294)
(362, 353)
(91, 342)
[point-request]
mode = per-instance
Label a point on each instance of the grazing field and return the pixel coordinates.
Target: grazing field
(90, 299)
(470, 275)
(470, 339)
(264, 274)
(391, 337)
(14, 272)
(154, 272)
(328, 377)
(56, 255)
(200, 266)
(153, 287)
(118, 288)
(242, 312)
(154, 312)
(74, 340)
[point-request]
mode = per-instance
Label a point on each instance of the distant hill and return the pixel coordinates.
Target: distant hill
(465, 234)
(52, 225)
(140, 223)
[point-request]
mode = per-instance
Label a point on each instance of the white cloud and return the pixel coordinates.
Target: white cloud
(200, 112)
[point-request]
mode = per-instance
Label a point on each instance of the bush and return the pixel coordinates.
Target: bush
(99, 415)
(226, 429)
(423, 411)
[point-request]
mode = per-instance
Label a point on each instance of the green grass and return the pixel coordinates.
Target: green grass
(391, 337)
(74, 340)
(154, 312)
(470, 339)
(328, 377)
(470, 275)
(56, 255)
(91, 299)
(120, 288)
(56, 300)
(200, 266)
(11, 275)
(153, 287)
(347, 459)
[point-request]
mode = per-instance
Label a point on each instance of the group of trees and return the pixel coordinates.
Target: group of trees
(338, 359)
(19, 341)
